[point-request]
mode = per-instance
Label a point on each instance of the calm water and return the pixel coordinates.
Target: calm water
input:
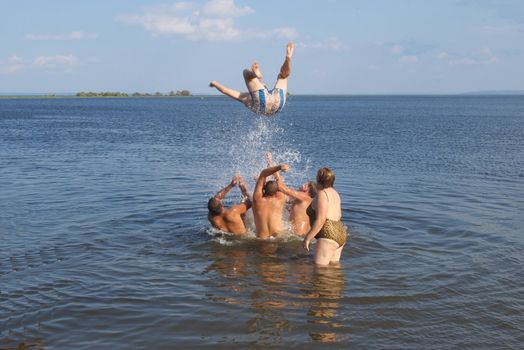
(104, 242)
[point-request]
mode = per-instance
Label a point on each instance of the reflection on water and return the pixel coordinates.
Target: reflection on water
(327, 288)
(285, 293)
(26, 346)
(267, 300)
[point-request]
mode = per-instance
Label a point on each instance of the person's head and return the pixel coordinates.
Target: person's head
(325, 177)
(270, 188)
(310, 187)
(214, 206)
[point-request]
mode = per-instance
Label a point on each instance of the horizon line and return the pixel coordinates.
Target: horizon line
(478, 93)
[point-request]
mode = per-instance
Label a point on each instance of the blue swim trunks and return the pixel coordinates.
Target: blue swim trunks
(268, 102)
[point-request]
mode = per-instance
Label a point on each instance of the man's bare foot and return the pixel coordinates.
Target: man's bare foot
(290, 48)
(256, 69)
(213, 84)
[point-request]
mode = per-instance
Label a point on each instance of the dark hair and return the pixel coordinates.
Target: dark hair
(325, 177)
(214, 206)
(312, 189)
(270, 188)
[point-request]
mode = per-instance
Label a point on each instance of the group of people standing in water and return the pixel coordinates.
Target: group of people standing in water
(315, 207)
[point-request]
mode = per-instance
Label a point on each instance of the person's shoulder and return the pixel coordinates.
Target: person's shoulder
(215, 222)
(256, 200)
(335, 192)
(264, 201)
(231, 213)
(322, 195)
(306, 200)
(228, 211)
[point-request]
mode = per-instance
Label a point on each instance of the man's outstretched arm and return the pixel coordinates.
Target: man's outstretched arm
(262, 178)
(222, 193)
(270, 163)
(245, 194)
(301, 196)
(243, 187)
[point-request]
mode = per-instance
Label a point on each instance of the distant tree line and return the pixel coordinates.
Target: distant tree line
(134, 94)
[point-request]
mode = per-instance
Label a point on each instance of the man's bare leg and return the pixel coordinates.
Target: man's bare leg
(285, 70)
(255, 68)
(236, 95)
(252, 78)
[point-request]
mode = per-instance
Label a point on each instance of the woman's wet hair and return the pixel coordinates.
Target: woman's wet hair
(270, 188)
(325, 177)
(214, 206)
(312, 189)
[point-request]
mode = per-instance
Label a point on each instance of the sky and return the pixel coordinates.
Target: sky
(342, 47)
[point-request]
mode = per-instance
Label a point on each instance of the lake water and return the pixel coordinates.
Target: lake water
(104, 242)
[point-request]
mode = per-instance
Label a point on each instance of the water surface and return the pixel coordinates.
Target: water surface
(104, 241)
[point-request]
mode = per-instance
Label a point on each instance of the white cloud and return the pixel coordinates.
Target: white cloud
(14, 64)
(501, 29)
(488, 55)
(225, 8)
(482, 56)
(182, 6)
(162, 24)
(281, 33)
(405, 55)
(462, 61)
(442, 55)
(92, 60)
(285, 32)
(56, 61)
(407, 51)
(15, 59)
(397, 49)
(214, 20)
(65, 63)
(332, 43)
(75, 35)
(408, 59)
(217, 29)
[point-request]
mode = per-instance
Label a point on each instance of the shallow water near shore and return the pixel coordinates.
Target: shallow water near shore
(104, 242)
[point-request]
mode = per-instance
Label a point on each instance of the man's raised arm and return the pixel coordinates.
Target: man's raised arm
(301, 196)
(262, 178)
(243, 187)
(270, 163)
(222, 193)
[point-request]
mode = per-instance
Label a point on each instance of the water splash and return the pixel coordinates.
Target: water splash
(228, 239)
(248, 153)
(246, 156)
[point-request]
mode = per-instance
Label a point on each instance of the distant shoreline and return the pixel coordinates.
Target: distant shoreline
(495, 93)
(5, 97)
(53, 96)
(166, 96)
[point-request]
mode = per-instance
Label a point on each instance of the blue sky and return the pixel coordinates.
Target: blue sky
(342, 47)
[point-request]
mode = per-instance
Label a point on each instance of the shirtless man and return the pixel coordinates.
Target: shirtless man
(258, 98)
(268, 203)
(301, 199)
(230, 219)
